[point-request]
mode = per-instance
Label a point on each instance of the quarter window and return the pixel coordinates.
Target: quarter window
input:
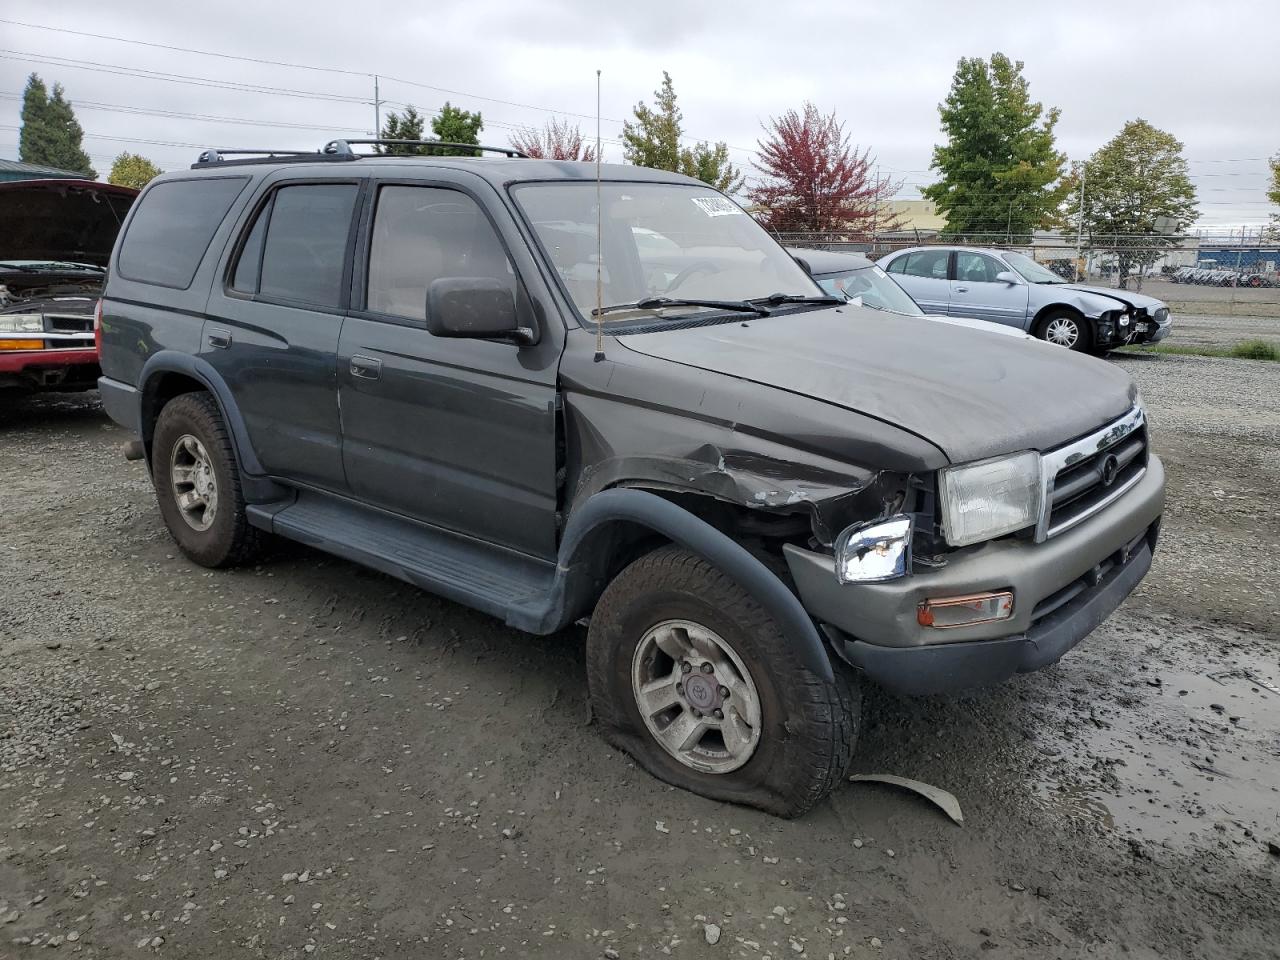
(172, 227)
(927, 263)
(423, 234)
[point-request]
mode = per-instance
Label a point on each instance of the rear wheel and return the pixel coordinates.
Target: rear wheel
(695, 680)
(1065, 328)
(193, 468)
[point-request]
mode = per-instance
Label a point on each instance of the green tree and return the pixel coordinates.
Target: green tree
(1000, 170)
(653, 140)
(403, 126)
(133, 170)
(454, 125)
(50, 134)
(1137, 197)
(1273, 194)
(711, 165)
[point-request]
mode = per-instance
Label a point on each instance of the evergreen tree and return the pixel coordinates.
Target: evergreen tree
(1135, 180)
(133, 170)
(50, 134)
(1000, 170)
(653, 140)
(405, 126)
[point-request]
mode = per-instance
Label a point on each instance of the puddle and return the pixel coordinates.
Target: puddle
(1176, 756)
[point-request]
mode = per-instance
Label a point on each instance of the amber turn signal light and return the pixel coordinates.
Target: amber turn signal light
(945, 612)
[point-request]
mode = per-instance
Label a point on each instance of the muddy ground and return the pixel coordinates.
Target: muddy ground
(305, 758)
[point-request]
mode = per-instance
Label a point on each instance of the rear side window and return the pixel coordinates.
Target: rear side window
(172, 227)
(927, 263)
(305, 244)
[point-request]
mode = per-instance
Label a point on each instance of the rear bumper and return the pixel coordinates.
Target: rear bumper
(122, 403)
(1063, 588)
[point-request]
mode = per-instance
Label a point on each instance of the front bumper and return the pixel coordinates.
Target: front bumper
(49, 369)
(1154, 333)
(1063, 588)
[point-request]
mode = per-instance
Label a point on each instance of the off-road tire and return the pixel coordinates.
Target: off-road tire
(809, 725)
(229, 540)
(1084, 342)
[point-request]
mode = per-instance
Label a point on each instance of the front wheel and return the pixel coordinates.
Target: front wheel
(1065, 329)
(693, 678)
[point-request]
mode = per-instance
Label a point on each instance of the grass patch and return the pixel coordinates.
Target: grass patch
(1245, 350)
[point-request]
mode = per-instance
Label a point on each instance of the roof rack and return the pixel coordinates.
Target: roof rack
(342, 148)
(222, 155)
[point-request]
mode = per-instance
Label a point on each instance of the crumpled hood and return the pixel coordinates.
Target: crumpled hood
(972, 394)
(75, 220)
(1136, 300)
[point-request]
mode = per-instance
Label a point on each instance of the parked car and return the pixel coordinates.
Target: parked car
(421, 364)
(858, 280)
(1003, 286)
(54, 247)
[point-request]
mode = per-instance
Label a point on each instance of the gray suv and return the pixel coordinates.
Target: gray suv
(553, 399)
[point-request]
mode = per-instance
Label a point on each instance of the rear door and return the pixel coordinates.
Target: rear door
(978, 295)
(924, 274)
(273, 325)
(457, 433)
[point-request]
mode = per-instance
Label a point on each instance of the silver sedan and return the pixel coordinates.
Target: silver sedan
(1003, 286)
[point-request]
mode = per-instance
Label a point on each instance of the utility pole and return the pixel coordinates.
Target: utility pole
(1084, 170)
(377, 108)
(875, 210)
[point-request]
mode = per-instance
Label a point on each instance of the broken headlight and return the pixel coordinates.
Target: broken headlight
(22, 323)
(987, 499)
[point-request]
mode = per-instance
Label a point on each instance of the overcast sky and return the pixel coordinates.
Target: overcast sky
(1206, 77)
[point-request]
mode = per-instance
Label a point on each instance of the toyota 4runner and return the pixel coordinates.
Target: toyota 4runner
(553, 397)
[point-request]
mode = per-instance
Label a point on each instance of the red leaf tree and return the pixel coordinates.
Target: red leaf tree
(812, 180)
(557, 140)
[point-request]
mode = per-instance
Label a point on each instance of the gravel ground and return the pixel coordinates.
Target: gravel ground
(307, 758)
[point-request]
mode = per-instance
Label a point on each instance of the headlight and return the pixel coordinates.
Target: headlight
(874, 551)
(990, 498)
(22, 323)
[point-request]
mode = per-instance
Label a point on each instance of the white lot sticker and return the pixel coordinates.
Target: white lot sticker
(718, 206)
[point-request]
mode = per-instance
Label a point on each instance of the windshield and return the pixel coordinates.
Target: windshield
(870, 287)
(1030, 270)
(659, 240)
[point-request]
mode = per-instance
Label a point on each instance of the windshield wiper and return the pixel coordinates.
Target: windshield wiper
(778, 299)
(658, 303)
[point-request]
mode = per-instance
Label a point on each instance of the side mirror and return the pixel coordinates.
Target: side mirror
(1007, 276)
(474, 308)
(804, 264)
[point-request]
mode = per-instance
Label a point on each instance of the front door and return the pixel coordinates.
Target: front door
(457, 433)
(923, 274)
(978, 295)
(272, 328)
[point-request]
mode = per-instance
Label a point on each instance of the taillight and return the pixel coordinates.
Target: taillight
(97, 326)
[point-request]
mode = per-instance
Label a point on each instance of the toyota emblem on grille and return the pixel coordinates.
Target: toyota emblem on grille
(1110, 467)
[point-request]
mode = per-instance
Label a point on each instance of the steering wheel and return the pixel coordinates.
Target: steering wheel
(701, 266)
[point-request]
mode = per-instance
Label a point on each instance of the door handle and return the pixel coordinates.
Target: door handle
(366, 368)
(220, 339)
(962, 289)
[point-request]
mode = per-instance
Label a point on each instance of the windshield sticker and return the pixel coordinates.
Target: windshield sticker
(718, 207)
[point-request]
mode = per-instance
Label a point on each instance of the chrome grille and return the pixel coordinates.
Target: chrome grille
(1084, 477)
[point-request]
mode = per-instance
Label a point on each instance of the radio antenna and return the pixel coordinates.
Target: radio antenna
(599, 238)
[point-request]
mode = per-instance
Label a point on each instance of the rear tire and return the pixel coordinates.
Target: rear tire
(776, 736)
(1066, 328)
(197, 481)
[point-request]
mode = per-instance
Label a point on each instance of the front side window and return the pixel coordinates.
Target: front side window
(871, 287)
(423, 234)
(172, 227)
(304, 245)
(927, 263)
(1030, 270)
(977, 267)
(658, 240)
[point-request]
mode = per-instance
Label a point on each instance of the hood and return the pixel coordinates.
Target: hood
(1135, 300)
(971, 396)
(73, 220)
